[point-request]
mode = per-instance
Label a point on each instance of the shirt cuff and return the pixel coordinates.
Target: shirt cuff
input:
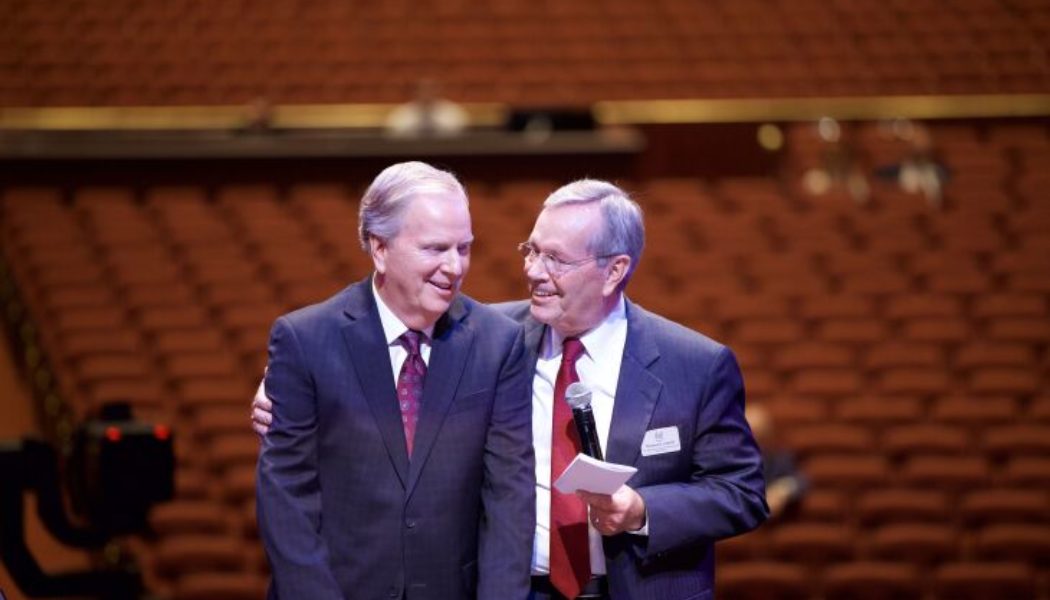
(645, 528)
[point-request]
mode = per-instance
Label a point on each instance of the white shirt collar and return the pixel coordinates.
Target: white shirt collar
(597, 339)
(393, 327)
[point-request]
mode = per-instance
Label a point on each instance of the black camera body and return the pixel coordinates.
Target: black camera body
(119, 469)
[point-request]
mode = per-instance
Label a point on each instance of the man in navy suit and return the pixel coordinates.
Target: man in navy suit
(399, 463)
(666, 400)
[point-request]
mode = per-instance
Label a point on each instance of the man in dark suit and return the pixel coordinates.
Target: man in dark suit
(399, 463)
(666, 400)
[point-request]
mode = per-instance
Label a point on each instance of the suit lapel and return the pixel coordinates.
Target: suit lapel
(637, 391)
(533, 339)
(449, 351)
(368, 351)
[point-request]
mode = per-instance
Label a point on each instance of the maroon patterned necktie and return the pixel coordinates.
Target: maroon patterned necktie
(570, 561)
(410, 384)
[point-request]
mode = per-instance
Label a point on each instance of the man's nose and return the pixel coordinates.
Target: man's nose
(535, 270)
(453, 262)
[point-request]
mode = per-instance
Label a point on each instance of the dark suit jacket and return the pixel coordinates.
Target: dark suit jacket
(343, 512)
(711, 489)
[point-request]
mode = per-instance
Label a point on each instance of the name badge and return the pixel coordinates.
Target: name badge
(661, 441)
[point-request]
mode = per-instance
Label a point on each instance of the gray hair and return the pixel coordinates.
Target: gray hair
(385, 201)
(622, 231)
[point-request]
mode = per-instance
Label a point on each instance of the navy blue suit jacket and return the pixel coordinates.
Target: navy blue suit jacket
(711, 489)
(343, 512)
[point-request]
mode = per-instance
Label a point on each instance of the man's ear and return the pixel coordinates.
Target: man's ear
(377, 248)
(615, 272)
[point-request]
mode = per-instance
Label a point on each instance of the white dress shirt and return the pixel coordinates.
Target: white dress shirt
(599, 370)
(393, 328)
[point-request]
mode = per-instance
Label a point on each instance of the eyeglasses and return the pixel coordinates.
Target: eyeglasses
(554, 265)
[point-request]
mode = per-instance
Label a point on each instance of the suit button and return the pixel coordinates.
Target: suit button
(394, 592)
(410, 523)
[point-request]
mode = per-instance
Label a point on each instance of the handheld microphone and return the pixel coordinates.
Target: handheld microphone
(578, 396)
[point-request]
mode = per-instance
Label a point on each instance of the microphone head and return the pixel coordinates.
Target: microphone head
(578, 395)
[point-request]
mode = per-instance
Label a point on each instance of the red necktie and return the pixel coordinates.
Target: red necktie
(569, 557)
(410, 385)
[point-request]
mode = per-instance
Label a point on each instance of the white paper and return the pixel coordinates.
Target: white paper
(593, 475)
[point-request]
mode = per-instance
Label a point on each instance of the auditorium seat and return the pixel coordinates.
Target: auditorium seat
(814, 354)
(937, 330)
(754, 307)
(785, 274)
(1005, 505)
(1009, 305)
(102, 318)
(830, 506)
(158, 319)
(1019, 439)
(901, 505)
(812, 544)
(838, 382)
(988, 353)
(916, 543)
(1018, 329)
(139, 297)
(897, 353)
(930, 305)
(1027, 471)
(763, 580)
(917, 381)
(982, 580)
(212, 391)
(238, 484)
(866, 580)
(100, 342)
(201, 364)
(750, 546)
(959, 281)
(1027, 542)
(210, 421)
(188, 517)
(1004, 380)
(880, 410)
(189, 339)
(220, 586)
(926, 438)
(233, 449)
(176, 556)
(828, 439)
(790, 410)
(851, 331)
(192, 484)
(837, 306)
(975, 411)
(847, 472)
(769, 331)
(1039, 409)
(945, 472)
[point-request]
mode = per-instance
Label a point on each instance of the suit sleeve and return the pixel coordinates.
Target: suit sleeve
(725, 494)
(509, 490)
(288, 488)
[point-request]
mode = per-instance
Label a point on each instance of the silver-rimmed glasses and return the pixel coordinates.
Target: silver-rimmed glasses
(554, 265)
